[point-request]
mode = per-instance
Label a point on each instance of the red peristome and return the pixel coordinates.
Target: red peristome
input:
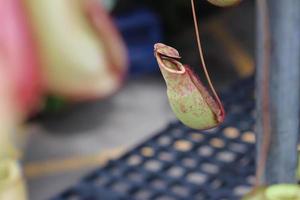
(18, 50)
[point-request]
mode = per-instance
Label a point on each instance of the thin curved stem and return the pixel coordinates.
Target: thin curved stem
(202, 57)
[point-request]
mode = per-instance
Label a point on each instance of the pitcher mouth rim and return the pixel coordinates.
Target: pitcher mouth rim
(180, 66)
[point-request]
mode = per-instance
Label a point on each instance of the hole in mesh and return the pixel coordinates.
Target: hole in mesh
(251, 179)
(196, 137)
(153, 165)
(241, 190)
(158, 183)
(120, 187)
(249, 137)
(143, 194)
(134, 160)
(217, 143)
(180, 190)
(164, 197)
(164, 141)
(237, 147)
(231, 132)
(175, 171)
(216, 184)
(189, 162)
(210, 168)
(226, 156)
(205, 151)
(166, 156)
(147, 151)
(196, 178)
(183, 145)
(135, 176)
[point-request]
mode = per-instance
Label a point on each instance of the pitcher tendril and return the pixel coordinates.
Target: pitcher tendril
(201, 54)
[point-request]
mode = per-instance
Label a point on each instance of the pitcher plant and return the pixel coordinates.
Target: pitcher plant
(191, 102)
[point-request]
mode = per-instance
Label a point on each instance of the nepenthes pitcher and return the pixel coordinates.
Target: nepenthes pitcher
(189, 99)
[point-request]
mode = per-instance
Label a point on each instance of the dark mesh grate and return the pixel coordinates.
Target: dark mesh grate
(181, 163)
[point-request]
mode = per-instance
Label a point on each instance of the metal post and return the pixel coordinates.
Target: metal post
(284, 17)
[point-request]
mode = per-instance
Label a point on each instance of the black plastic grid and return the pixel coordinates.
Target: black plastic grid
(182, 163)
